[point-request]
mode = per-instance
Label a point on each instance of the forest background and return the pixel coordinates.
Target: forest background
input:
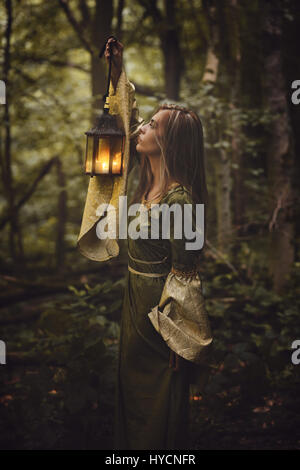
(234, 62)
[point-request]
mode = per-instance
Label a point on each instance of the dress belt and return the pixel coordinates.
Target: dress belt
(147, 274)
(147, 262)
(134, 271)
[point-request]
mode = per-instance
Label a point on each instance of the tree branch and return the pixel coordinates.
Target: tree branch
(217, 254)
(76, 26)
(46, 168)
(56, 63)
(119, 19)
(85, 14)
(152, 9)
(148, 91)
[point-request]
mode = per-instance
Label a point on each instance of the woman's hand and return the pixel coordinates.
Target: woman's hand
(117, 59)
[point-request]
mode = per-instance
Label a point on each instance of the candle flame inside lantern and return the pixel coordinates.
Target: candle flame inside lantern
(116, 168)
(102, 158)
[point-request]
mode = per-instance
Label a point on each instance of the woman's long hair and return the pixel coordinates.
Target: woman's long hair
(182, 152)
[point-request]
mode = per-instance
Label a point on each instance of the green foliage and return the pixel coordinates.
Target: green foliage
(251, 398)
(253, 333)
(63, 395)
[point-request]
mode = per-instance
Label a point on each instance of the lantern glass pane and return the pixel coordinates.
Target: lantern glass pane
(89, 154)
(102, 156)
(116, 147)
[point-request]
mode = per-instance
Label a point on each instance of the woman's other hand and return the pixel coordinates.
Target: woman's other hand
(117, 59)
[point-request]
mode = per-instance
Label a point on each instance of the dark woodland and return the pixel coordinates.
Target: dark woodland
(235, 62)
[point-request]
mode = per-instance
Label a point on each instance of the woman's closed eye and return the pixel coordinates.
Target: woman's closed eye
(149, 123)
(152, 124)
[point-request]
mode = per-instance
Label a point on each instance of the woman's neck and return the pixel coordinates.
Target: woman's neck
(155, 168)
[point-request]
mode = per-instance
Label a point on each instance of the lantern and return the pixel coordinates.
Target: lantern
(105, 142)
(104, 147)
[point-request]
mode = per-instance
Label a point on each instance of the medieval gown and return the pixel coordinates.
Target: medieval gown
(163, 308)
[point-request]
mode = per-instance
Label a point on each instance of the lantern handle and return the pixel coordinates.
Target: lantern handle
(106, 95)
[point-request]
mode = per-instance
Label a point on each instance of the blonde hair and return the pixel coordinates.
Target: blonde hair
(182, 152)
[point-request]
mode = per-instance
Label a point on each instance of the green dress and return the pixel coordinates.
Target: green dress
(152, 399)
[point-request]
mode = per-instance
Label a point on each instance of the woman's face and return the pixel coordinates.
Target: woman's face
(147, 143)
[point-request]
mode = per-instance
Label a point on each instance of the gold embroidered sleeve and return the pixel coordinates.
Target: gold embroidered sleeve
(181, 318)
(136, 123)
(105, 191)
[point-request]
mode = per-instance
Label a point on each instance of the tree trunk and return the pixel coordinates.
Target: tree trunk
(119, 32)
(101, 29)
(280, 156)
(168, 30)
(98, 24)
(237, 160)
(222, 165)
(223, 189)
(291, 68)
(211, 66)
(61, 216)
(15, 236)
(173, 63)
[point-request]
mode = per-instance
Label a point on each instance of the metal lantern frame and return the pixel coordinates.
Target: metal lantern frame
(105, 134)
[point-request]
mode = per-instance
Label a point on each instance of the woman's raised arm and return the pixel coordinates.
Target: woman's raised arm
(136, 121)
(117, 59)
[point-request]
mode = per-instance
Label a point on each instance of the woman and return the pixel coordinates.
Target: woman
(165, 332)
